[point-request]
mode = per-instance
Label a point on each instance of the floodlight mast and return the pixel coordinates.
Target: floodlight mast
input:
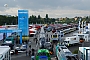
(6, 6)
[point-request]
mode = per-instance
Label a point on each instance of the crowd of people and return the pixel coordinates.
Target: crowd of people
(30, 52)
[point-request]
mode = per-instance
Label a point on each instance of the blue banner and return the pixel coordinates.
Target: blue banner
(23, 21)
(9, 31)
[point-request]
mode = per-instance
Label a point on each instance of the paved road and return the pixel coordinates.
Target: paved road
(27, 58)
(23, 56)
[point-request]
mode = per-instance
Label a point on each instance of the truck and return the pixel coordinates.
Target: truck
(82, 35)
(49, 46)
(32, 32)
(5, 53)
(71, 40)
(10, 41)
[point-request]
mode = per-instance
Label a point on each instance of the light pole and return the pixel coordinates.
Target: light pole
(60, 38)
(79, 25)
(85, 26)
(82, 27)
(6, 6)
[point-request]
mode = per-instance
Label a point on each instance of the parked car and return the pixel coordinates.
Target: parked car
(12, 52)
(49, 46)
(23, 47)
(17, 47)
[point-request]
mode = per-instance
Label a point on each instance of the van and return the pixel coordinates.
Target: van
(71, 40)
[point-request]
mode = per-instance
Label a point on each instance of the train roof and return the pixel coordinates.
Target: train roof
(65, 50)
(4, 49)
(43, 50)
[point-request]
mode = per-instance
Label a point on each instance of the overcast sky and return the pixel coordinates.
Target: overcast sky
(54, 8)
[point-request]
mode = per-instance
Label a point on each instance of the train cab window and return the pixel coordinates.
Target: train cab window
(81, 36)
(74, 38)
(41, 54)
(66, 41)
(54, 35)
(63, 47)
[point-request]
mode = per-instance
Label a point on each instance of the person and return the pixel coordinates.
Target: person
(46, 39)
(29, 46)
(68, 45)
(4, 36)
(29, 42)
(36, 40)
(42, 47)
(29, 50)
(49, 39)
(33, 54)
(16, 51)
(47, 35)
(26, 50)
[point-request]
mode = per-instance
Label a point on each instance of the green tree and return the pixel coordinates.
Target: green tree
(46, 19)
(33, 19)
(39, 17)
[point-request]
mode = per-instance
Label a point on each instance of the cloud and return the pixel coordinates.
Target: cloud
(55, 8)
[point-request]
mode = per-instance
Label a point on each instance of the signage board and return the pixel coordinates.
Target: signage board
(23, 21)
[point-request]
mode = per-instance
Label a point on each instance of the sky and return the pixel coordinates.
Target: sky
(54, 8)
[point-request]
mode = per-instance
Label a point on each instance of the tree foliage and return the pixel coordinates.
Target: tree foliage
(38, 19)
